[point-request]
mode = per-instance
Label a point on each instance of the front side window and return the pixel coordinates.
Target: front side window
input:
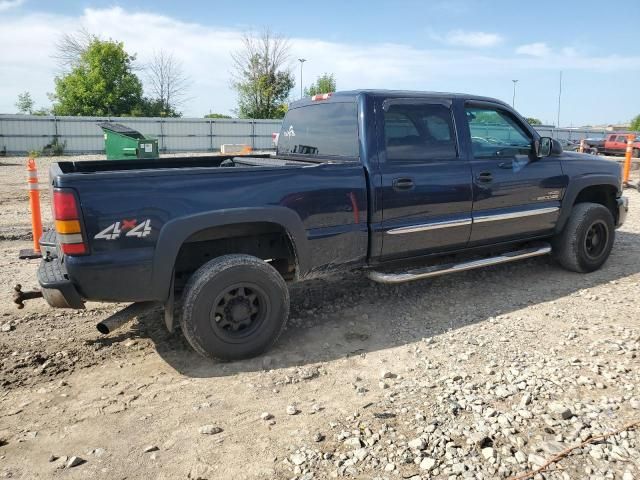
(323, 129)
(419, 132)
(495, 133)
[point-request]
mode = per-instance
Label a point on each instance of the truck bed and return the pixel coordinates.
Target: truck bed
(213, 161)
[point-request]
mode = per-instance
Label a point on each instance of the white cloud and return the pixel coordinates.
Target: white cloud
(8, 4)
(205, 53)
(538, 49)
(460, 38)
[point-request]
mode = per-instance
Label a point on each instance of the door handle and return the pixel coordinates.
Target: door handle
(402, 184)
(485, 177)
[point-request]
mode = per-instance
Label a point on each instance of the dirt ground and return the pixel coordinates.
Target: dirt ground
(483, 374)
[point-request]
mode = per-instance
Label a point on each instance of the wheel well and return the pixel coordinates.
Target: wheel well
(602, 194)
(265, 240)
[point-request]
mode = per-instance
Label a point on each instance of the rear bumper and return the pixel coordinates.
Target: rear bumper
(57, 289)
(623, 208)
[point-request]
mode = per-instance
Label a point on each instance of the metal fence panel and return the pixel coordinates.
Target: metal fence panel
(21, 133)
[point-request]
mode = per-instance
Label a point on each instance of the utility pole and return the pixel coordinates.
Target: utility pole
(301, 60)
(513, 102)
(559, 98)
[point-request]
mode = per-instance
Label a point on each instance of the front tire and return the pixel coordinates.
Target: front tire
(587, 239)
(235, 307)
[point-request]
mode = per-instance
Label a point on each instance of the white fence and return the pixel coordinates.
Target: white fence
(22, 133)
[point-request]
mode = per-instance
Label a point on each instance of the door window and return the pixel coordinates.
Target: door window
(419, 132)
(496, 133)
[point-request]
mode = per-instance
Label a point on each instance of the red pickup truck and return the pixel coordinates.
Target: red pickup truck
(613, 144)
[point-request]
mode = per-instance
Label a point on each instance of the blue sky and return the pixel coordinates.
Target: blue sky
(474, 46)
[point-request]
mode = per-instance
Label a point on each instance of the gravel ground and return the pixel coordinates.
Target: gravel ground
(483, 374)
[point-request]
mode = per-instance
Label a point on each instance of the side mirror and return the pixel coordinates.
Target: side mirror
(542, 147)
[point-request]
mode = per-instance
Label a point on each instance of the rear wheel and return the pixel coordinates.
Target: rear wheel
(593, 151)
(235, 307)
(587, 239)
(636, 153)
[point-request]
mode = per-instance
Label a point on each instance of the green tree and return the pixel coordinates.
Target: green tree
(102, 82)
(25, 103)
(635, 124)
(262, 78)
(533, 121)
(325, 83)
(216, 115)
(153, 107)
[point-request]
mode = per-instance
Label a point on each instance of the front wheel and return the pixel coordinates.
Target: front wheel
(587, 239)
(235, 307)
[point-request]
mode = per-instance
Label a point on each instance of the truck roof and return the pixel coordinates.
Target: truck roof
(353, 94)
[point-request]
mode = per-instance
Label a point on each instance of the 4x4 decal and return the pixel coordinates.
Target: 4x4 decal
(130, 228)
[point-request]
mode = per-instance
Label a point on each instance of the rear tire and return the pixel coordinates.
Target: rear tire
(587, 239)
(636, 153)
(235, 307)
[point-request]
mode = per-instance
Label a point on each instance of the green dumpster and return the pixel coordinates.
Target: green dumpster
(124, 143)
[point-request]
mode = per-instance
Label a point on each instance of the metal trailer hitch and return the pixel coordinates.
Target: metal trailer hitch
(19, 297)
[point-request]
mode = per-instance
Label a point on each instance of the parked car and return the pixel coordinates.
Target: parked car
(402, 185)
(613, 144)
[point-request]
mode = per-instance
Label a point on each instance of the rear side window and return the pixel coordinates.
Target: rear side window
(325, 129)
(419, 132)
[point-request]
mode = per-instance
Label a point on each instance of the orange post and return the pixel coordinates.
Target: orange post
(627, 159)
(34, 204)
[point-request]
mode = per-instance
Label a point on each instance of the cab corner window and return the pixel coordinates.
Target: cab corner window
(496, 133)
(419, 132)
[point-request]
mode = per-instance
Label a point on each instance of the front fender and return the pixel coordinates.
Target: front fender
(576, 185)
(174, 233)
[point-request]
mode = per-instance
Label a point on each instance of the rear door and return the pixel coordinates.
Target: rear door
(515, 195)
(426, 183)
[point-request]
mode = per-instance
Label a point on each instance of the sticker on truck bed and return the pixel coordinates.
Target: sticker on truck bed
(130, 228)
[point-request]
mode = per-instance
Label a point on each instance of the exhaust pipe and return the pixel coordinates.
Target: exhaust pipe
(118, 319)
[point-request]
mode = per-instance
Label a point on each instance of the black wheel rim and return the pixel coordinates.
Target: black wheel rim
(596, 239)
(239, 311)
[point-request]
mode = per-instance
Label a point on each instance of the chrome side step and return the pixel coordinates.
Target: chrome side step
(437, 270)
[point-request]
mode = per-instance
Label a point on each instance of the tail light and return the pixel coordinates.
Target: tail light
(66, 213)
(321, 96)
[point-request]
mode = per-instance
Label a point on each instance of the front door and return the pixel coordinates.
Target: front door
(426, 184)
(515, 194)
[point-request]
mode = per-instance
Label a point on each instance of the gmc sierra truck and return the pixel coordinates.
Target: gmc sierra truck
(401, 185)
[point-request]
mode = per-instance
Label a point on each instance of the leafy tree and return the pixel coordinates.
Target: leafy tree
(101, 82)
(635, 124)
(152, 107)
(325, 83)
(25, 103)
(216, 115)
(533, 121)
(262, 77)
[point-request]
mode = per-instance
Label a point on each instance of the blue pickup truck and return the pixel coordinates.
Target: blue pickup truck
(402, 185)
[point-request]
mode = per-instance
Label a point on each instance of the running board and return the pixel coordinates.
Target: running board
(436, 270)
